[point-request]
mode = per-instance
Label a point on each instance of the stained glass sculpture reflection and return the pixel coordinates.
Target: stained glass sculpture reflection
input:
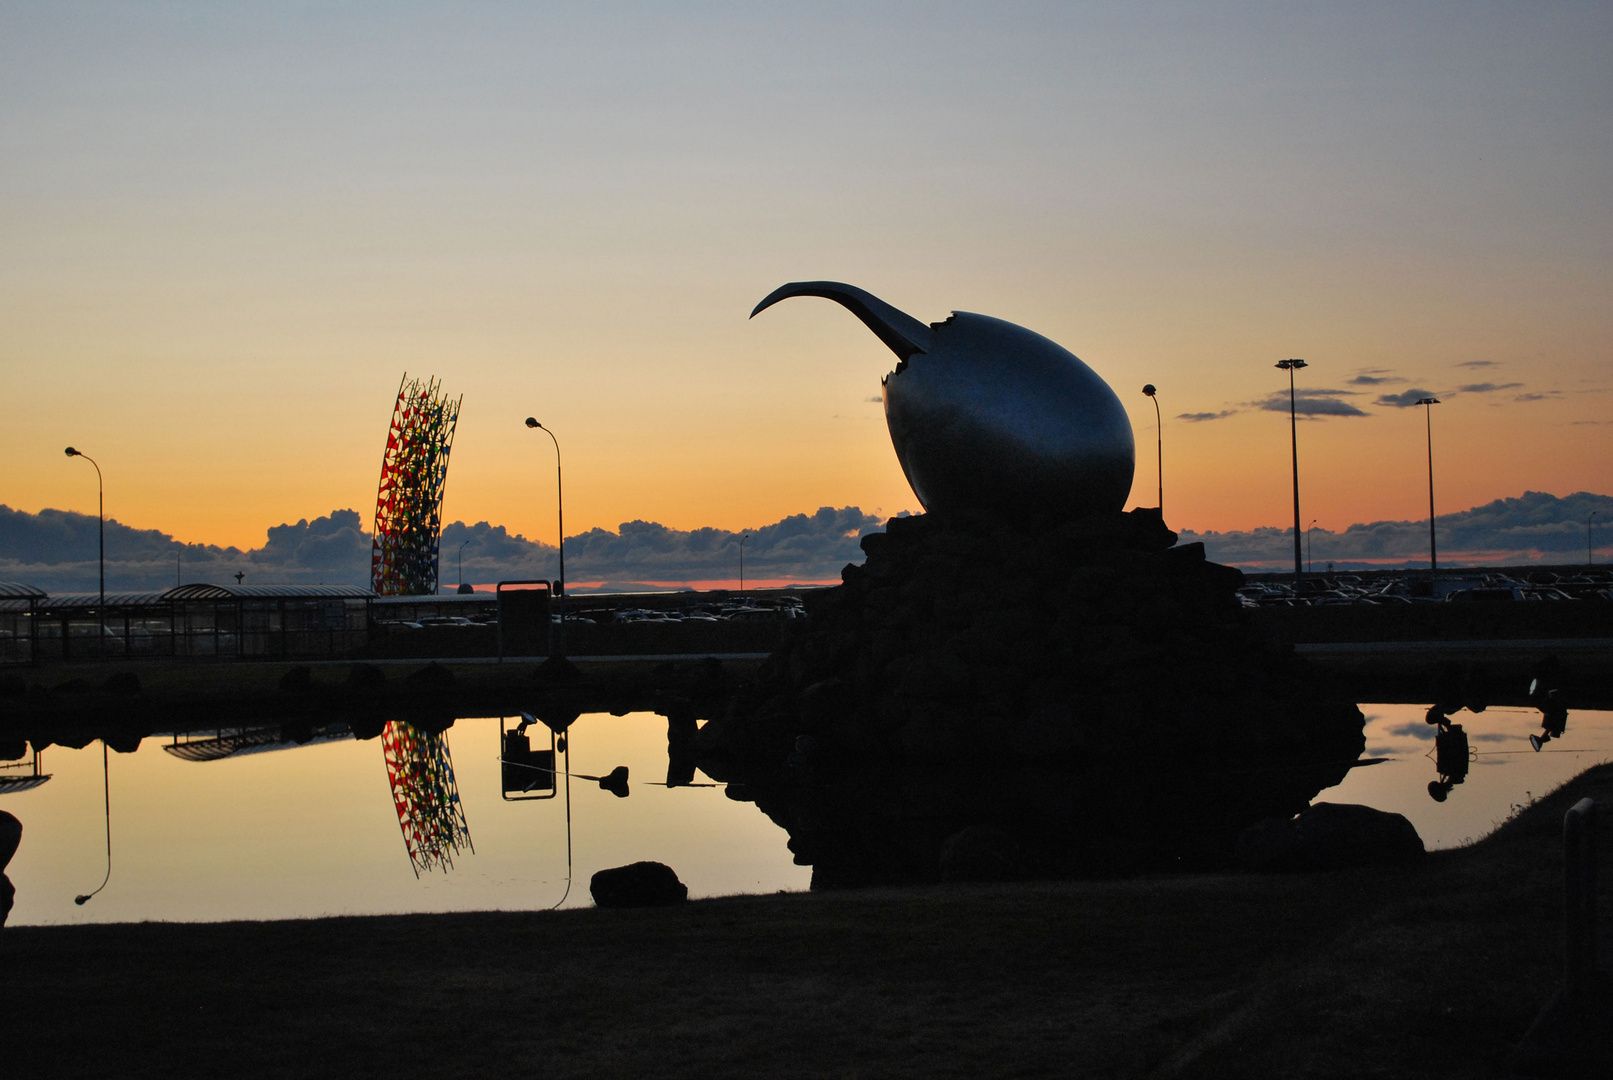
(425, 795)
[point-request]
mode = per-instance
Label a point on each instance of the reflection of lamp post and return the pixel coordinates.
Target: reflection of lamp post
(1428, 413)
(560, 515)
(743, 537)
(1159, 445)
(100, 498)
(1310, 564)
(106, 791)
(1292, 366)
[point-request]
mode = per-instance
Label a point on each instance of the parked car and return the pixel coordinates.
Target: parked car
(1494, 595)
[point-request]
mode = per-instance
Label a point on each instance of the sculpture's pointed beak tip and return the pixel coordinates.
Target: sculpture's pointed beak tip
(902, 333)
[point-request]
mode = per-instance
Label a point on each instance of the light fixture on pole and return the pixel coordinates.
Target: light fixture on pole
(1159, 445)
(560, 516)
(743, 537)
(1292, 366)
(1428, 415)
(100, 498)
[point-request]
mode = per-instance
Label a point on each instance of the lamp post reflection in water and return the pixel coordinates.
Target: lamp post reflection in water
(106, 792)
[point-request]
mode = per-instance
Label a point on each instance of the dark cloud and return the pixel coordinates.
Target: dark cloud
(1375, 377)
(1418, 730)
(56, 551)
(1405, 400)
(1477, 364)
(876, 400)
(1533, 526)
(1311, 403)
(336, 543)
(1199, 417)
(1542, 396)
(1488, 387)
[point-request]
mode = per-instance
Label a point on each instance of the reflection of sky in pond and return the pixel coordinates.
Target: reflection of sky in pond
(311, 831)
(1505, 771)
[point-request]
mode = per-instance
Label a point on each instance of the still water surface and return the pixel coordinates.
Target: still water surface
(312, 830)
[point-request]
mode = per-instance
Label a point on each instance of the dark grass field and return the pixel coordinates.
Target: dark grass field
(1435, 971)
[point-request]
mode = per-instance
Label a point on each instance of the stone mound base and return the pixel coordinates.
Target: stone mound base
(1094, 692)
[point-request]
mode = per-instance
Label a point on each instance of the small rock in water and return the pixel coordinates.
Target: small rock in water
(1330, 836)
(640, 884)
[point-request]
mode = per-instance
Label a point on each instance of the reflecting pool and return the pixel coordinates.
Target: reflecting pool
(202, 830)
(1504, 770)
(313, 830)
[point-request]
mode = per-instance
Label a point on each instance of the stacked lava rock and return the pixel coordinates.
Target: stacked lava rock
(1086, 699)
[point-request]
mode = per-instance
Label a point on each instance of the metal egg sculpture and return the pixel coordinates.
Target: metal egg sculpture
(991, 419)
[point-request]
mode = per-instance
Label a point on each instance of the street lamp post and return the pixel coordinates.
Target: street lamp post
(743, 537)
(1310, 549)
(1159, 445)
(461, 586)
(100, 499)
(1428, 404)
(1292, 366)
(560, 516)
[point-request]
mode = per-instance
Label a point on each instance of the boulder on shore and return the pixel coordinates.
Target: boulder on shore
(1330, 836)
(640, 884)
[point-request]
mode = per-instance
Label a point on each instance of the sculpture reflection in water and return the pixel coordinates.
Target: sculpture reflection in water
(1547, 696)
(1452, 755)
(430, 815)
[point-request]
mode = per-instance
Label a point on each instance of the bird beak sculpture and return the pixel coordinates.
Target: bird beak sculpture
(990, 419)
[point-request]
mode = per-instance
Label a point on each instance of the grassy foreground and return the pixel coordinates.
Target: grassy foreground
(1433, 971)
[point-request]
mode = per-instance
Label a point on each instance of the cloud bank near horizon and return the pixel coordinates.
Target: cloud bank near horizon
(1534, 527)
(56, 550)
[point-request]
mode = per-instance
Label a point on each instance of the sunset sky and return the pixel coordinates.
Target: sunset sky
(226, 233)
